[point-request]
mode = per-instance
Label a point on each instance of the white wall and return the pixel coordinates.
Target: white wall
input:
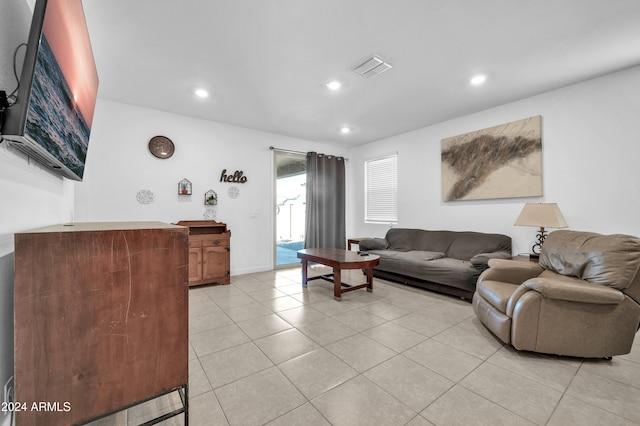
(119, 165)
(30, 196)
(590, 165)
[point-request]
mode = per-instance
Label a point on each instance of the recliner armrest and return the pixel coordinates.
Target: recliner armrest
(579, 291)
(510, 271)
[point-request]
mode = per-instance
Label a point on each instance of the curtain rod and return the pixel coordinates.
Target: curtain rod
(289, 151)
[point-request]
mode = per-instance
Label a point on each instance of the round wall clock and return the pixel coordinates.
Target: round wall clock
(161, 146)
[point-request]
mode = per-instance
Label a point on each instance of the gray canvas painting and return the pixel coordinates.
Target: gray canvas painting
(504, 161)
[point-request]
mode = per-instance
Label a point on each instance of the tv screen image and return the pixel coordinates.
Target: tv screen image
(52, 118)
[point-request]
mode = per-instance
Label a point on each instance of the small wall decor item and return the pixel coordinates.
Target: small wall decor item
(498, 162)
(145, 196)
(184, 187)
(233, 192)
(236, 177)
(161, 147)
(210, 198)
(209, 214)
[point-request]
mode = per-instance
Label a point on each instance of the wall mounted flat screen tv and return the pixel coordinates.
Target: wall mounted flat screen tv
(51, 119)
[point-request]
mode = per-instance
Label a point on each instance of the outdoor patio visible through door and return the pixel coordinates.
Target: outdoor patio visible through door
(291, 176)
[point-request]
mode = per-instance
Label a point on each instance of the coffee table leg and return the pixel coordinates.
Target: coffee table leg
(304, 273)
(369, 280)
(337, 284)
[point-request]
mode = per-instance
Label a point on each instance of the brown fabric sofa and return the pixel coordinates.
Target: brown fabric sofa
(445, 261)
(582, 299)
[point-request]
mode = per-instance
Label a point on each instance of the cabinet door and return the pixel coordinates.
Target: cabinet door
(195, 264)
(215, 262)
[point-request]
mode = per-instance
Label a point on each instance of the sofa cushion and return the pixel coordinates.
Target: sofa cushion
(408, 256)
(611, 260)
(404, 239)
(466, 245)
(453, 272)
(422, 256)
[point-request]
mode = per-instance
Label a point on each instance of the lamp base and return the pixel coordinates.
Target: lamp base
(537, 247)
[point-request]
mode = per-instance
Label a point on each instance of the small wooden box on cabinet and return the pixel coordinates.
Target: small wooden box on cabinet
(209, 252)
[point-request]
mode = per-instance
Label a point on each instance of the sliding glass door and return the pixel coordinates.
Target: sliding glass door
(290, 175)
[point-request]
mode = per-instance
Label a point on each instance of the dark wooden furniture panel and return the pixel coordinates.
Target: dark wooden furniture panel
(209, 252)
(352, 241)
(101, 317)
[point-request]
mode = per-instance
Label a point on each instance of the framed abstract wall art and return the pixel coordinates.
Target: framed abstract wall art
(503, 161)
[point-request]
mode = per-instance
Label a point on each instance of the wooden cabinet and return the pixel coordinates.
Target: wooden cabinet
(101, 318)
(209, 252)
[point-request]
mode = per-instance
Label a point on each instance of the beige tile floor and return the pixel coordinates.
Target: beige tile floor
(266, 351)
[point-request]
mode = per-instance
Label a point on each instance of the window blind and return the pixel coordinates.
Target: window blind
(381, 189)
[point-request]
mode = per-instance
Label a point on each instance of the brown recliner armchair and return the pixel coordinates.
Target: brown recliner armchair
(582, 299)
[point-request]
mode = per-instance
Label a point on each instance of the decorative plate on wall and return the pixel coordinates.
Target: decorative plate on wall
(145, 196)
(161, 147)
(233, 192)
(209, 214)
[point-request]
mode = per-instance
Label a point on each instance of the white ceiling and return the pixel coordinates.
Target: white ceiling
(266, 62)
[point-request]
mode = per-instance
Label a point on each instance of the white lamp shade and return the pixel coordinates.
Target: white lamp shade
(545, 215)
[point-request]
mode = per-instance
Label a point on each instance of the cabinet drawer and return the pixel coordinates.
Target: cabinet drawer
(194, 243)
(216, 240)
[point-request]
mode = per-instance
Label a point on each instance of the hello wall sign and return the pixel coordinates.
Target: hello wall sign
(236, 177)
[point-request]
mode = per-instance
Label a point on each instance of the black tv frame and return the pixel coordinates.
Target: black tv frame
(13, 127)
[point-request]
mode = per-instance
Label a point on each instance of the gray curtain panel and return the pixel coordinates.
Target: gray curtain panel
(325, 220)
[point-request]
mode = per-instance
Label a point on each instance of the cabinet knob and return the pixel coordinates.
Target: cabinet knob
(216, 242)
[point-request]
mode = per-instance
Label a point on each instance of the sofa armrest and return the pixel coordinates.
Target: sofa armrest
(481, 261)
(579, 291)
(373, 244)
(510, 271)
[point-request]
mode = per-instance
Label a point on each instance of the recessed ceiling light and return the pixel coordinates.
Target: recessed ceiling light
(201, 93)
(345, 130)
(334, 85)
(477, 80)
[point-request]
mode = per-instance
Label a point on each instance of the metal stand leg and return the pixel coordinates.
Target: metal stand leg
(183, 391)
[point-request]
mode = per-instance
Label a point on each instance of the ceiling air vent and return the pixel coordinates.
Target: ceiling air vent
(372, 67)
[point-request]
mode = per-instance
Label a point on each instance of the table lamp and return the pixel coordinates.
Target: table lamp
(543, 215)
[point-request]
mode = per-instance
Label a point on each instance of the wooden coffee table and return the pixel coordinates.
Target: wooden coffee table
(338, 259)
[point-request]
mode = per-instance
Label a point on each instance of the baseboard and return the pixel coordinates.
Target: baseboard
(250, 270)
